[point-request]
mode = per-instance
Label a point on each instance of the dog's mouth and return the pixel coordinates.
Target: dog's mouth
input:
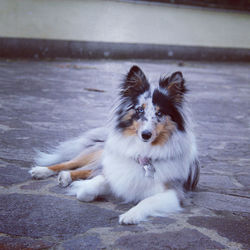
(147, 141)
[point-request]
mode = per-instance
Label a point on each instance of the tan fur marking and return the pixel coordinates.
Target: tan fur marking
(128, 115)
(64, 166)
(79, 161)
(80, 174)
(164, 131)
(131, 130)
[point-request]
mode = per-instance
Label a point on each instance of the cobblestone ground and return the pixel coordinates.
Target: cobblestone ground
(45, 102)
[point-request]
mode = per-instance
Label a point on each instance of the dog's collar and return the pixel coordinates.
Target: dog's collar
(147, 165)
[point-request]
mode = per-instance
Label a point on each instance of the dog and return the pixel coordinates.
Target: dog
(148, 155)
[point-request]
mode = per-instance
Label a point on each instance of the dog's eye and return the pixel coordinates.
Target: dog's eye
(159, 114)
(139, 110)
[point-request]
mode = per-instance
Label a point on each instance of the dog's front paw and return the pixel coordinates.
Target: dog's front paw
(130, 217)
(85, 194)
(83, 191)
(64, 178)
(41, 172)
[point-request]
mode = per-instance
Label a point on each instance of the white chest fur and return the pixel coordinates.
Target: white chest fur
(127, 179)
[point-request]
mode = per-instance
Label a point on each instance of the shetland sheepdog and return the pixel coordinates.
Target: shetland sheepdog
(147, 155)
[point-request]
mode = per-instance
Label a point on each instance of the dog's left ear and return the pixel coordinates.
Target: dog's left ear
(175, 86)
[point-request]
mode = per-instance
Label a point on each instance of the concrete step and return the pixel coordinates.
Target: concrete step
(123, 23)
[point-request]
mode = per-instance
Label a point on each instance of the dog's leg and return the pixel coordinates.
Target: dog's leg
(157, 205)
(80, 161)
(88, 190)
(66, 177)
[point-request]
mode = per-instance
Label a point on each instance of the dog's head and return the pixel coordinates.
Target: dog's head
(152, 114)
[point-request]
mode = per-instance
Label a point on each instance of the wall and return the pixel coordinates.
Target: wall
(121, 22)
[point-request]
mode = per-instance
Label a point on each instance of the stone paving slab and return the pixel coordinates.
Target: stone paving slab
(45, 102)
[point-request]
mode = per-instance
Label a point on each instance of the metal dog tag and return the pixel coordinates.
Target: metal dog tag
(149, 171)
(146, 163)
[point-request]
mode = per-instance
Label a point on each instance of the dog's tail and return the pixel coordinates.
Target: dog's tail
(65, 151)
(193, 177)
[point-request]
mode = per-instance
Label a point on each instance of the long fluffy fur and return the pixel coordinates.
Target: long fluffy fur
(67, 150)
(134, 133)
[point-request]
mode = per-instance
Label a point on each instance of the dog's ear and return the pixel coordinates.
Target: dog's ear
(135, 83)
(174, 86)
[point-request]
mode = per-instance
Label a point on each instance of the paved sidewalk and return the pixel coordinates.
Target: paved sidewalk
(45, 102)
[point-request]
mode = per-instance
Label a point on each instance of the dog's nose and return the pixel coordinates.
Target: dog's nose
(146, 135)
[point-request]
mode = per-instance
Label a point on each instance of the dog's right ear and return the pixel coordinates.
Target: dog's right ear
(135, 83)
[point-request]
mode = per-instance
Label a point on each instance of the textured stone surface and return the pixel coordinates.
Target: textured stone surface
(39, 216)
(218, 201)
(13, 243)
(12, 174)
(37, 185)
(184, 239)
(235, 227)
(83, 242)
(45, 102)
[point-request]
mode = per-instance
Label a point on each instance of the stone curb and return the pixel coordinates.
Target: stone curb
(42, 48)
